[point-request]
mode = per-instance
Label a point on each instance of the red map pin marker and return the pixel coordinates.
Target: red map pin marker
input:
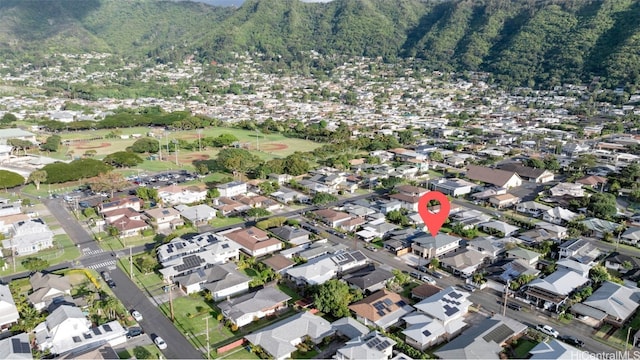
(434, 221)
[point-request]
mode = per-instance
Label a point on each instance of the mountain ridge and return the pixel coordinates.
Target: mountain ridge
(524, 42)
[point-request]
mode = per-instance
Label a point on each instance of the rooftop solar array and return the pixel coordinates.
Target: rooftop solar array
(96, 331)
(499, 334)
(189, 262)
(107, 328)
(20, 347)
(426, 333)
(450, 310)
(455, 295)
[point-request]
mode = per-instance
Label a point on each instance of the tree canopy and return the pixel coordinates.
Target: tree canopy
(123, 159)
(9, 179)
(334, 297)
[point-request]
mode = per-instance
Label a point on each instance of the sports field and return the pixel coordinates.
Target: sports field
(266, 146)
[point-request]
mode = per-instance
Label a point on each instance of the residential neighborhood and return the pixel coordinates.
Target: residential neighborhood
(333, 260)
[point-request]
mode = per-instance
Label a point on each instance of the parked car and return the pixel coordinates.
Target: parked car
(371, 247)
(160, 342)
(514, 306)
(136, 315)
(107, 278)
(415, 275)
(571, 340)
(428, 279)
(548, 330)
(469, 287)
(435, 274)
(134, 331)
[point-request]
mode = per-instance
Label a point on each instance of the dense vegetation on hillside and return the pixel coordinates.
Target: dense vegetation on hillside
(523, 42)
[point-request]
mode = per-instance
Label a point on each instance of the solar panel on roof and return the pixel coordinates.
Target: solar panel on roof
(373, 342)
(86, 336)
(401, 303)
(450, 310)
(383, 345)
(499, 334)
(455, 295)
(224, 246)
(381, 312)
(388, 302)
(96, 331)
(426, 333)
(20, 347)
(76, 339)
(107, 327)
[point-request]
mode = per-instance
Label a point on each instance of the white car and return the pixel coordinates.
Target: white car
(136, 315)
(548, 330)
(160, 343)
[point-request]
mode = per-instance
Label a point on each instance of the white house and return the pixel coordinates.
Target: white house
(232, 189)
(8, 311)
(246, 308)
(29, 237)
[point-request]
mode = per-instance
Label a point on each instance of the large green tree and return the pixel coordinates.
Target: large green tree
(237, 160)
(334, 297)
(602, 205)
(123, 159)
(145, 145)
(9, 179)
(52, 144)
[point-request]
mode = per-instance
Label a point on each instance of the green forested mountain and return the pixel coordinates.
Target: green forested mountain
(523, 42)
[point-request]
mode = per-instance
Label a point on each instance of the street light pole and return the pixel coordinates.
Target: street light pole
(130, 262)
(208, 351)
(504, 304)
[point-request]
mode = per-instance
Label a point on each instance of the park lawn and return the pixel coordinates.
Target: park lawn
(240, 353)
(226, 221)
(189, 314)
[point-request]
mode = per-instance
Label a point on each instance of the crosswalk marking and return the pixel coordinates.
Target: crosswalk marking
(111, 264)
(88, 251)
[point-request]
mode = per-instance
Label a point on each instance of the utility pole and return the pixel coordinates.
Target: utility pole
(208, 352)
(199, 144)
(175, 142)
(130, 262)
(171, 299)
(504, 303)
(160, 148)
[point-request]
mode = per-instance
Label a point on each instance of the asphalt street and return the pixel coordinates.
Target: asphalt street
(154, 322)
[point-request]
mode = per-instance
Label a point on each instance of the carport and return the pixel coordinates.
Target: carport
(588, 315)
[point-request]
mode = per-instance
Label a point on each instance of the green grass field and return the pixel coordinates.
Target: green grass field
(266, 146)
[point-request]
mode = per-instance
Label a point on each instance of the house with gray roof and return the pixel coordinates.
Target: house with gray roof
(578, 249)
(46, 288)
(631, 235)
(221, 280)
(369, 279)
(552, 292)
(453, 187)
(500, 228)
(423, 331)
(8, 311)
(244, 309)
(294, 235)
(556, 349)
(463, 263)
(598, 228)
(318, 270)
(484, 340)
(349, 328)
(532, 208)
(279, 340)
(197, 214)
(617, 302)
(428, 246)
(373, 346)
(558, 215)
(17, 347)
